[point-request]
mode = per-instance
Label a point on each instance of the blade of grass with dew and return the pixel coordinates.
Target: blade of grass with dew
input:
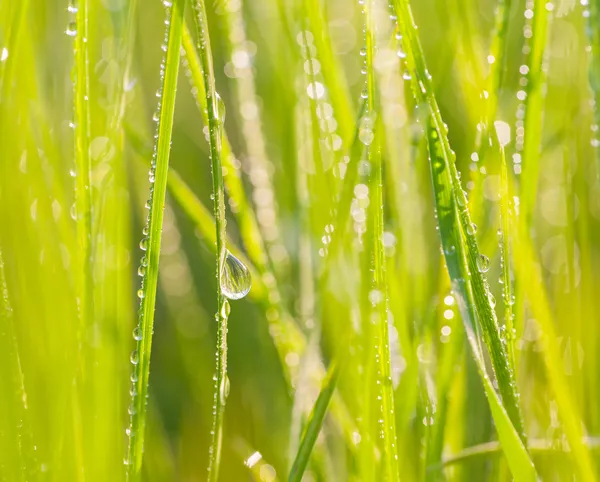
(505, 240)
(251, 235)
(216, 113)
(158, 177)
(314, 423)
(287, 337)
(83, 200)
(533, 107)
(369, 136)
(477, 263)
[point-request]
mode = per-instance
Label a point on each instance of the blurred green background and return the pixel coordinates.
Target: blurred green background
(42, 344)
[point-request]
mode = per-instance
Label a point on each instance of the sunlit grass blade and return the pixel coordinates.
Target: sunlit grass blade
(158, 178)
(216, 116)
(251, 235)
(505, 240)
(314, 423)
(463, 259)
(370, 134)
(83, 191)
(532, 108)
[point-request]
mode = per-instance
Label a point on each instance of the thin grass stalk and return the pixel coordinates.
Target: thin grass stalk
(250, 232)
(473, 275)
(314, 423)
(149, 265)
(215, 112)
(375, 239)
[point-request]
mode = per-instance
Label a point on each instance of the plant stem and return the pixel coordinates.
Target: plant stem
(158, 177)
(215, 127)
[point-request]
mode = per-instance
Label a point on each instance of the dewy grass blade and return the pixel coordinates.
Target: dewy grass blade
(216, 116)
(140, 357)
(370, 135)
(315, 421)
(505, 239)
(455, 223)
(533, 97)
(250, 232)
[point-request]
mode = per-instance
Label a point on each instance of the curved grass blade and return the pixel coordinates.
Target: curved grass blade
(315, 421)
(158, 177)
(536, 447)
(460, 246)
(215, 112)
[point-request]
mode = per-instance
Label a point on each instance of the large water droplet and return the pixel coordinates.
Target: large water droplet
(483, 263)
(235, 278)
(134, 358)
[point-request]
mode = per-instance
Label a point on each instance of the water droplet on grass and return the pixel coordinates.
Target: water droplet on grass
(137, 333)
(225, 387)
(235, 278)
(483, 263)
(71, 29)
(134, 358)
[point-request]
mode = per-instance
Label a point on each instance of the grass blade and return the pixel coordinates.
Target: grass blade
(460, 247)
(158, 178)
(216, 113)
(370, 136)
(314, 423)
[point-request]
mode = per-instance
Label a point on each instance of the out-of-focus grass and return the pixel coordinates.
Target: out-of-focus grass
(326, 152)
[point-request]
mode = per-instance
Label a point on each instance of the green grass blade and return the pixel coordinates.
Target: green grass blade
(379, 287)
(216, 113)
(251, 235)
(158, 176)
(505, 240)
(533, 106)
(314, 423)
(83, 200)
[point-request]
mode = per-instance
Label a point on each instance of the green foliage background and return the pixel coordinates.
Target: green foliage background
(64, 376)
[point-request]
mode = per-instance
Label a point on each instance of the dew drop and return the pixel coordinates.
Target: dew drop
(235, 278)
(225, 309)
(137, 333)
(134, 358)
(141, 294)
(71, 29)
(225, 387)
(144, 244)
(472, 229)
(141, 271)
(483, 263)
